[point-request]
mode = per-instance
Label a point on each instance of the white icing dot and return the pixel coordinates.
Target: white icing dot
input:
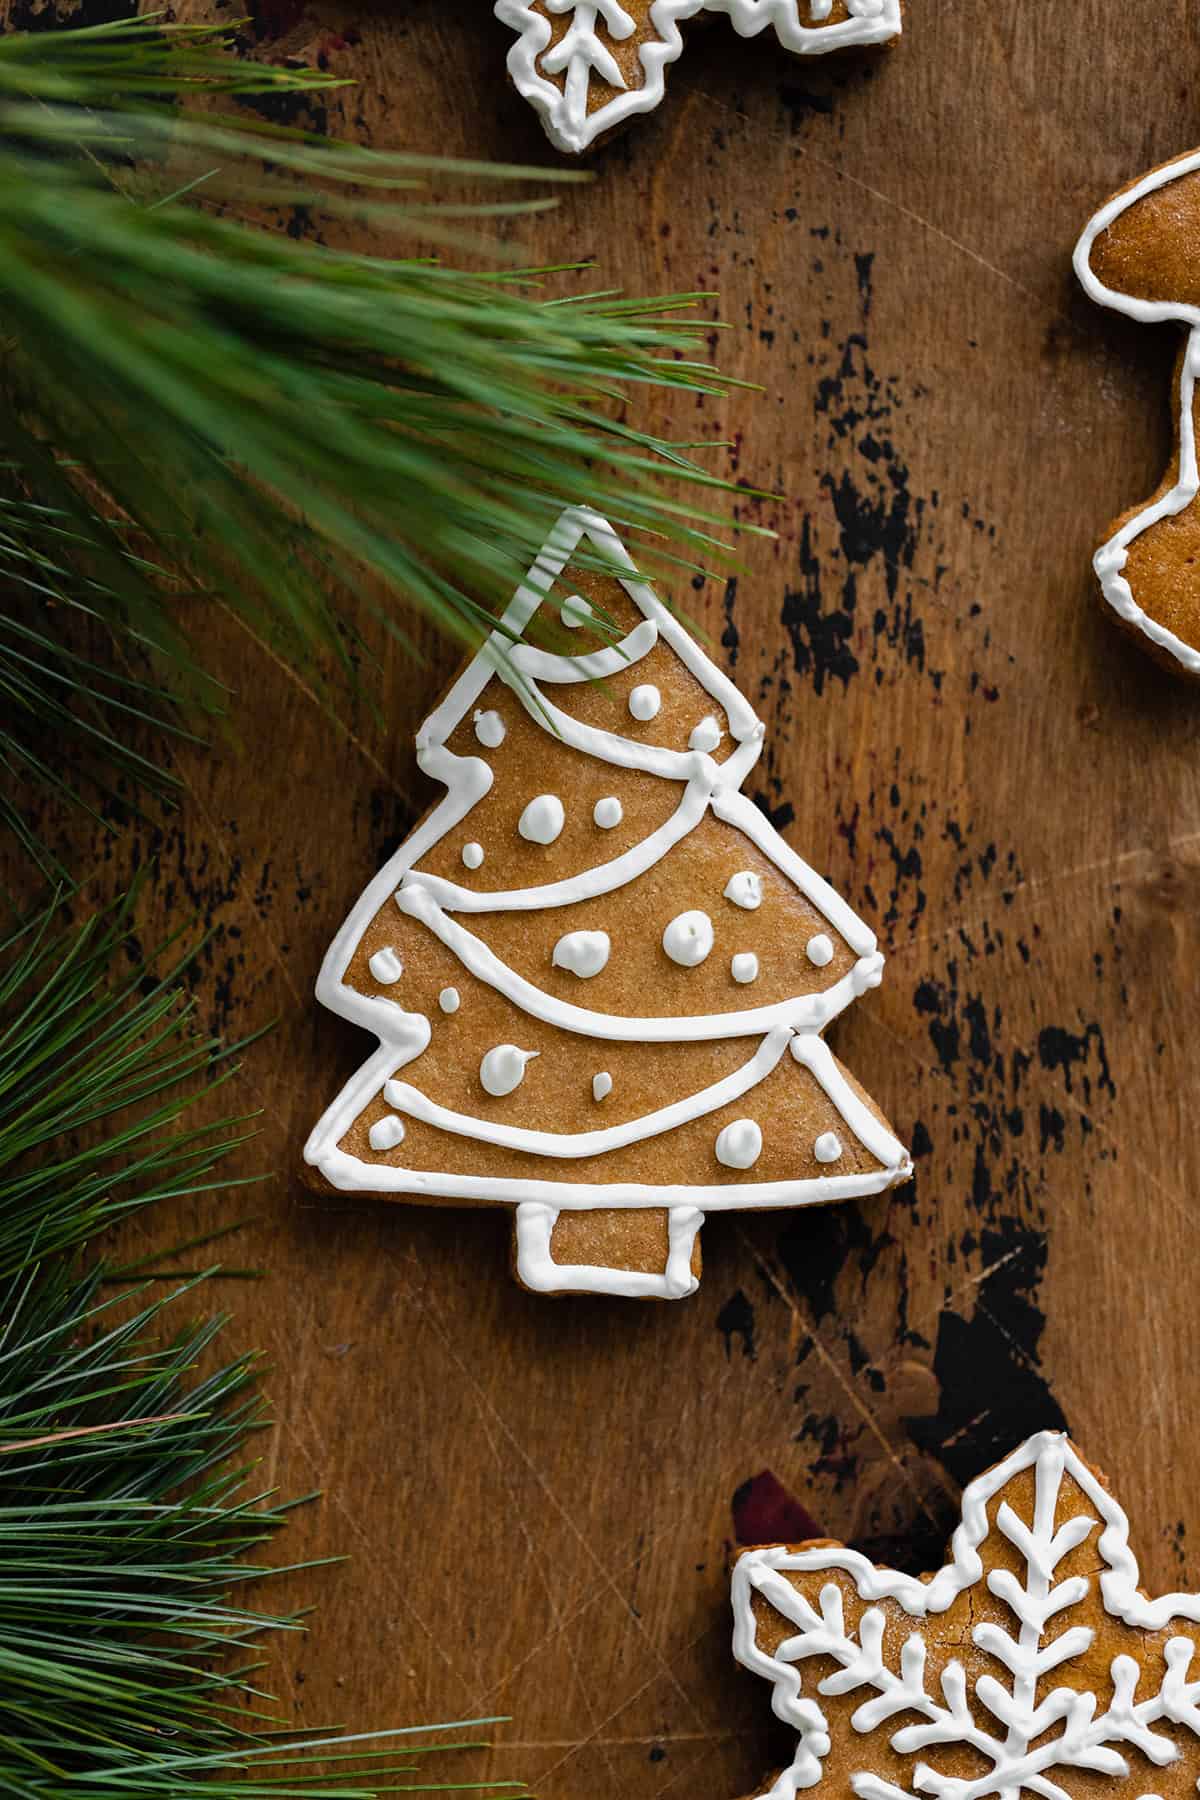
(739, 1146)
(449, 1000)
(688, 939)
(503, 1068)
(601, 1085)
(576, 611)
(828, 1147)
(644, 702)
(472, 855)
(386, 1133)
(608, 812)
(584, 953)
(707, 735)
(386, 967)
(744, 967)
(542, 819)
(745, 889)
(819, 950)
(490, 729)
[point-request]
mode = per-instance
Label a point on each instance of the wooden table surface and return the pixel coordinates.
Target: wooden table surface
(541, 1499)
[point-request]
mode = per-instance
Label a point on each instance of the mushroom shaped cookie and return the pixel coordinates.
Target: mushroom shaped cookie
(1140, 255)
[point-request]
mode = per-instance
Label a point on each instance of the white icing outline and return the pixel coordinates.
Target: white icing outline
(432, 900)
(563, 111)
(1109, 561)
(540, 1272)
(1028, 1656)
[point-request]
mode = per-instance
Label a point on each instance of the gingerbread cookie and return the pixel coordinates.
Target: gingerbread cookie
(602, 972)
(1032, 1664)
(588, 66)
(1138, 255)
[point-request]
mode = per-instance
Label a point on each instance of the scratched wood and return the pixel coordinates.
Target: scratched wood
(541, 1500)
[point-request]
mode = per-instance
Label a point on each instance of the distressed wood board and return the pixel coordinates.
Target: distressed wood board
(541, 1499)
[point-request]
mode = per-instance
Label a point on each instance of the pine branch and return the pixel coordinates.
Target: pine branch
(128, 1524)
(66, 714)
(265, 412)
(129, 1520)
(97, 1075)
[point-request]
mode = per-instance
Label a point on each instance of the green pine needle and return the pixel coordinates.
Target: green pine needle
(97, 1075)
(272, 416)
(130, 1524)
(66, 714)
(129, 1527)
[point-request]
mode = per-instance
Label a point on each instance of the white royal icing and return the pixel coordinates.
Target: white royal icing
(645, 702)
(584, 953)
(583, 53)
(602, 1085)
(472, 855)
(576, 611)
(542, 820)
(739, 1145)
(744, 967)
(1109, 561)
(386, 967)
(608, 812)
(707, 735)
(810, 1052)
(447, 908)
(688, 939)
(501, 1072)
(386, 1133)
(449, 1000)
(489, 729)
(1038, 1727)
(828, 1147)
(819, 950)
(745, 890)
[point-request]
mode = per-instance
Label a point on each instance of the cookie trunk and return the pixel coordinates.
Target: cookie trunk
(652, 1253)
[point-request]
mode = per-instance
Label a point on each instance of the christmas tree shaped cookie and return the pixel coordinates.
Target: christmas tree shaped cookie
(588, 66)
(1032, 1664)
(597, 975)
(1138, 256)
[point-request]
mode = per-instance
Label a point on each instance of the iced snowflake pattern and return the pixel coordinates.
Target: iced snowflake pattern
(576, 82)
(1032, 1714)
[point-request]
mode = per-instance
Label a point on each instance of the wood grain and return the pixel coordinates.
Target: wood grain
(541, 1499)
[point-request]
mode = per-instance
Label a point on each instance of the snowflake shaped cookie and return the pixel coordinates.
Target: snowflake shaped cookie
(587, 66)
(1032, 1664)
